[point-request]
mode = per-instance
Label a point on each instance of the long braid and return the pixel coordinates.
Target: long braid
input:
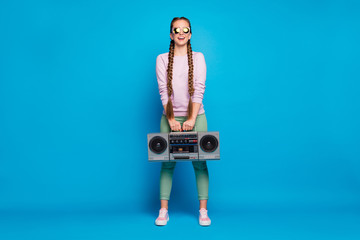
(191, 78)
(169, 106)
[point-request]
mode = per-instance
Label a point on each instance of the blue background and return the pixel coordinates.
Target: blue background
(78, 94)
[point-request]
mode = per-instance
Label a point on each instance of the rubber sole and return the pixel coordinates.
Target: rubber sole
(162, 223)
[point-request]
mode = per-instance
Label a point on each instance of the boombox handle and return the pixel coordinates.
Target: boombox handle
(194, 130)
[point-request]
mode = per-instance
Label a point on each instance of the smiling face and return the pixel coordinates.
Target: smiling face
(180, 38)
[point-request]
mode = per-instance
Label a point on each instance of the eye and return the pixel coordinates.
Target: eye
(176, 30)
(186, 30)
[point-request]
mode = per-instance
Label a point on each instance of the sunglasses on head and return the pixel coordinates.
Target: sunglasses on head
(185, 30)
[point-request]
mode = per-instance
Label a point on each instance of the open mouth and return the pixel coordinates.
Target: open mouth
(181, 38)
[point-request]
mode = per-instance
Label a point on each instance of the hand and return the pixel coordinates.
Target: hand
(188, 125)
(174, 125)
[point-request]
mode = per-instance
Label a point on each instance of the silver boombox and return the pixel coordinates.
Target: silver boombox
(183, 146)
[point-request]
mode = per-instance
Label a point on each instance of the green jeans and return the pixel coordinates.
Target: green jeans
(200, 167)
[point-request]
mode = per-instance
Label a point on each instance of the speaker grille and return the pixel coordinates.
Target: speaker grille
(158, 144)
(209, 143)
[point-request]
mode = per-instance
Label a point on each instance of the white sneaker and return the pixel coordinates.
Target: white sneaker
(163, 217)
(204, 220)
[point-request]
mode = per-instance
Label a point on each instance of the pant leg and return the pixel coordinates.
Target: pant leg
(200, 167)
(202, 179)
(166, 176)
(167, 168)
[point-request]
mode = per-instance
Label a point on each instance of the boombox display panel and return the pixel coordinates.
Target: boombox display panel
(183, 146)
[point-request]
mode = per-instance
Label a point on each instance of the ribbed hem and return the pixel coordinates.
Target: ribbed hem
(203, 198)
(184, 114)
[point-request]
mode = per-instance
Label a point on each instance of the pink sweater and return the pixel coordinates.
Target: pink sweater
(180, 96)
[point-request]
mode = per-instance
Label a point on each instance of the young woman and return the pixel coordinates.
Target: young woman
(181, 75)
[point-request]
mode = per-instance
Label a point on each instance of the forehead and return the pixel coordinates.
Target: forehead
(180, 23)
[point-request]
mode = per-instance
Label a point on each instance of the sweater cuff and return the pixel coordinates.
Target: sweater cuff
(165, 101)
(197, 100)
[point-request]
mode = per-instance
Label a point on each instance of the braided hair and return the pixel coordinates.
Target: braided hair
(169, 106)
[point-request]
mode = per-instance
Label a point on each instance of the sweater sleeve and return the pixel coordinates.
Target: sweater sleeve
(199, 78)
(162, 79)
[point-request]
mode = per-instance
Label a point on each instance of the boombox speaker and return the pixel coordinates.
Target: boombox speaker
(158, 147)
(183, 146)
(209, 145)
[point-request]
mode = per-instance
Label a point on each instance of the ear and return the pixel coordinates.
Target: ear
(189, 36)
(171, 36)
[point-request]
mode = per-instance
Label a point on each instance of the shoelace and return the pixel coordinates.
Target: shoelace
(162, 213)
(203, 213)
